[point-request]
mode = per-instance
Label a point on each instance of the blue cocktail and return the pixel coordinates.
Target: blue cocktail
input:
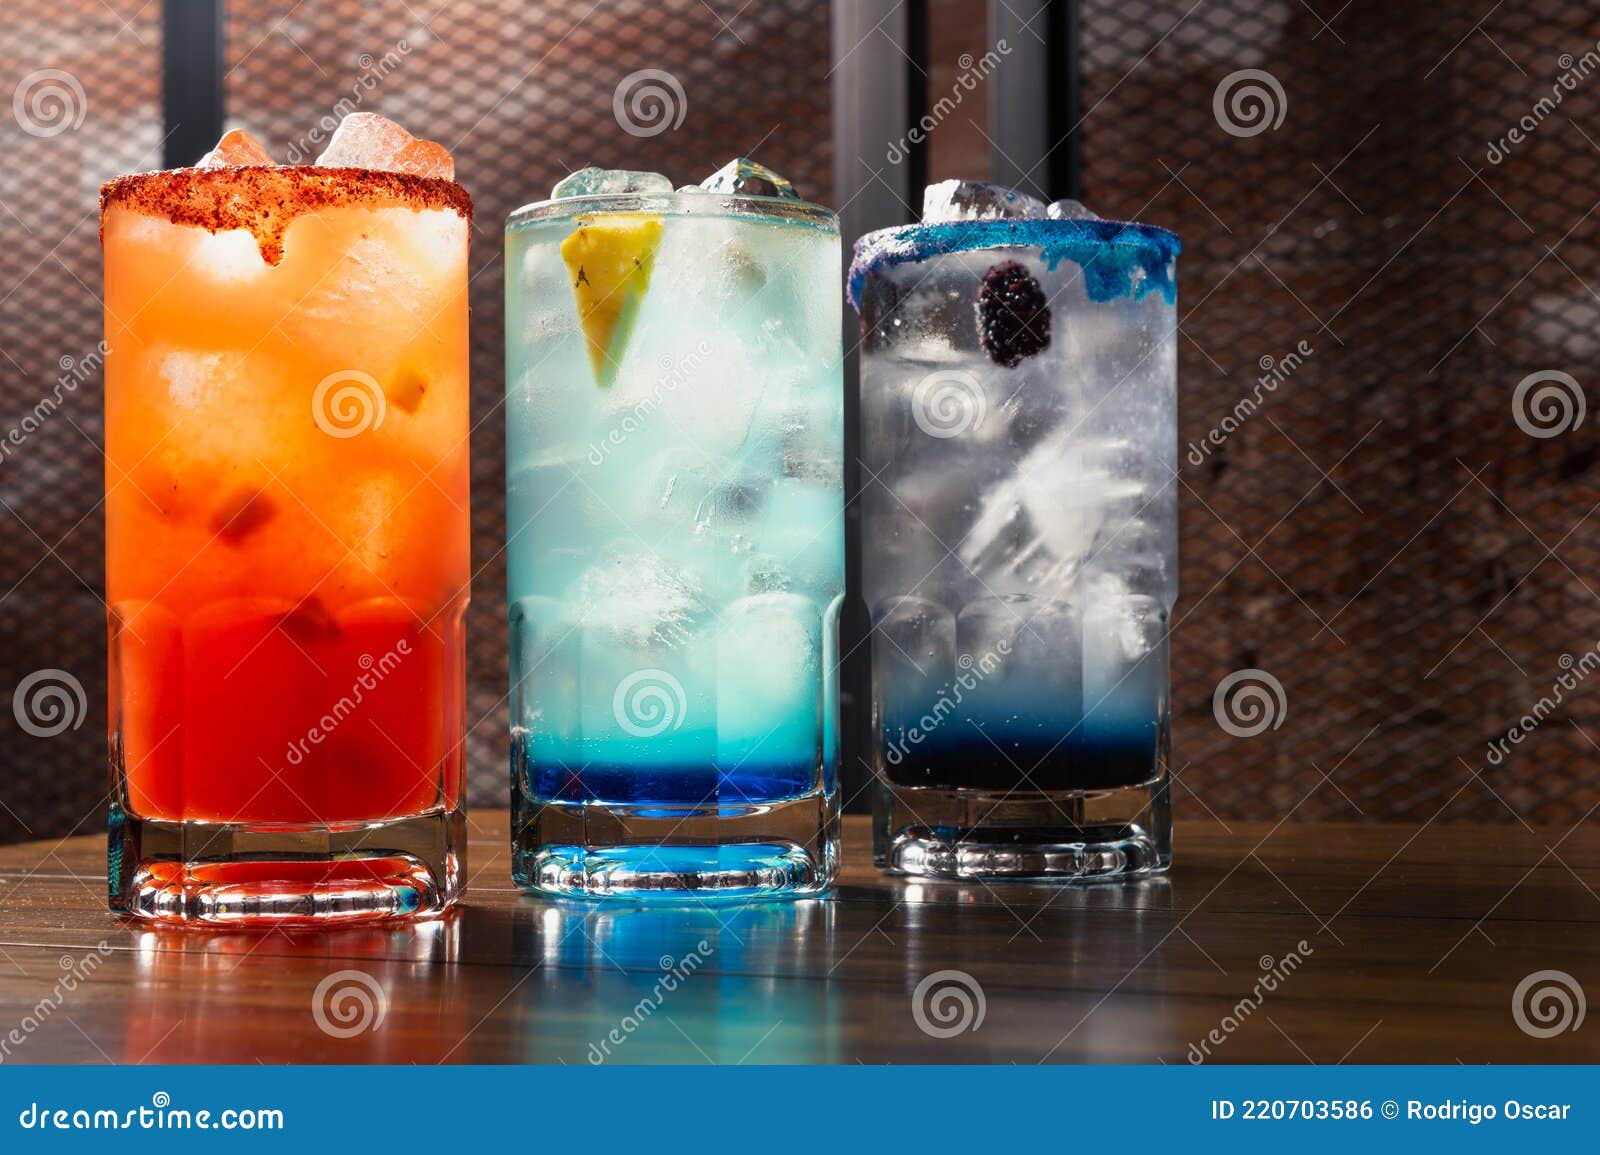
(1019, 434)
(675, 535)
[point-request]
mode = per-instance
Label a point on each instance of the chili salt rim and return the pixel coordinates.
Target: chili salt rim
(265, 199)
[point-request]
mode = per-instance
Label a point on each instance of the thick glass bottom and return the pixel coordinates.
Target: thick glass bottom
(192, 873)
(1060, 836)
(697, 853)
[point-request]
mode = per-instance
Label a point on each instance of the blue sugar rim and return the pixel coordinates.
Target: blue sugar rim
(1107, 251)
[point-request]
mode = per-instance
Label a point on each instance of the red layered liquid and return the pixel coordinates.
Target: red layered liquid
(254, 712)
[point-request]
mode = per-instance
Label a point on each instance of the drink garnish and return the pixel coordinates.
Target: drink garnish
(369, 161)
(609, 260)
(1013, 315)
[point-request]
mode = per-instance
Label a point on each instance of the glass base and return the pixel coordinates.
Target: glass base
(238, 875)
(1061, 836)
(724, 851)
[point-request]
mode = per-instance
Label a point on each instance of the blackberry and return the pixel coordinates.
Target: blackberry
(1013, 315)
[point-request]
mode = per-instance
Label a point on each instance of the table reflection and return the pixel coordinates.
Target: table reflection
(687, 984)
(355, 995)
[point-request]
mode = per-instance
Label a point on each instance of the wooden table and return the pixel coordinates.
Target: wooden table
(1386, 943)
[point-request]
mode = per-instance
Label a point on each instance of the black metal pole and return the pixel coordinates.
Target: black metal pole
(1066, 99)
(191, 78)
(917, 59)
(878, 173)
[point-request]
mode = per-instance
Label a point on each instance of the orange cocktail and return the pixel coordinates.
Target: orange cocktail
(287, 531)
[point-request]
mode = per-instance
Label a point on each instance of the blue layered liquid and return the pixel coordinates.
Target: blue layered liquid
(1082, 709)
(1037, 753)
(620, 773)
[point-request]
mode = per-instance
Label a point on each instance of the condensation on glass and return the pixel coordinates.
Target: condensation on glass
(1020, 559)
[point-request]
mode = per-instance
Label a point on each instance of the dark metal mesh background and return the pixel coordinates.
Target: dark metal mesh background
(1380, 535)
(52, 613)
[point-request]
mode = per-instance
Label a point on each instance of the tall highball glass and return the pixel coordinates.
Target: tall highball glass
(675, 539)
(1020, 528)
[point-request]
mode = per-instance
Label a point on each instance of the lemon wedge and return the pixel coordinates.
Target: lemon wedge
(609, 260)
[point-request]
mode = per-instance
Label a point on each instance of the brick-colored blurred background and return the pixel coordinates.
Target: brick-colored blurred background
(1379, 535)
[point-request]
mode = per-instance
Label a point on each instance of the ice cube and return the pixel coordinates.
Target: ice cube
(1070, 210)
(701, 382)
(196, 378)
(232, 256)
(812, 439)
(914, 662)
(242, 511)
(976, 200)
(988, 628)
(545, 700)
(236, 148)
(1069, 489)
(639, 599)
(367, 140)
(371, 294)
(1129, 557)
(1042, 522)
(1125, 678)
(769, 661)
(1048, 656)
(744, 177)
(595, 181)
(697, 494)
(801, 535)
(742, 276)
